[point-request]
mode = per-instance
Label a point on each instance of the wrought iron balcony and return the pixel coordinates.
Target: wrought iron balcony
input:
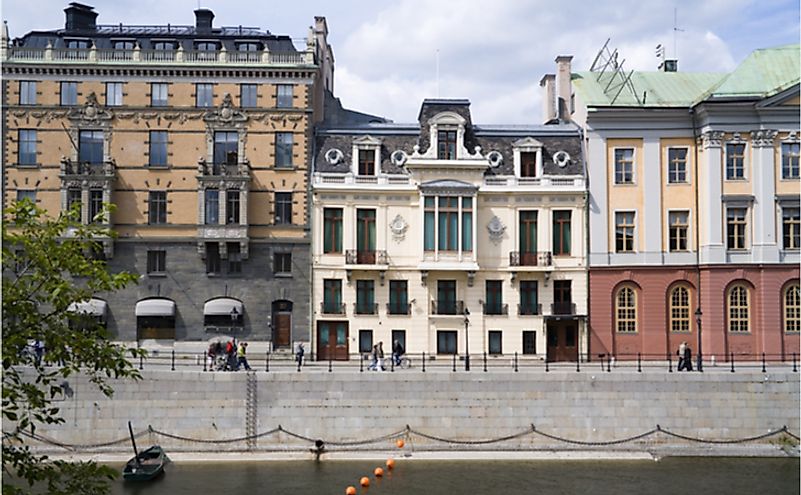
(447, 307)
(105, 168)
(354, 257)
(329, 308)
(542, 258)
(365, 308)
(563, 308)
(399, 309)
(496, 309)
(529, 309)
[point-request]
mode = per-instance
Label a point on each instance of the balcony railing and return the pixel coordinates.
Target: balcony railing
(563, 308)
(399, 309)
(365, 308)
(529, 309)
(224, 169)
(354, 257)
(331, 178)
(70, 167)
(137, 55)
(542, 258)
(496, 309)
(447, 307)
(328, 308)
(575, 182)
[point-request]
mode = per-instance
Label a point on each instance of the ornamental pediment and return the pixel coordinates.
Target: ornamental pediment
(527, 142)
(225, 113)
(367, 141)
(90, 112)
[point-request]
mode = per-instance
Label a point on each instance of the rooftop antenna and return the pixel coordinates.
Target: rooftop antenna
(611, 75)
(437, 72)
(660, 55)
(675, 30)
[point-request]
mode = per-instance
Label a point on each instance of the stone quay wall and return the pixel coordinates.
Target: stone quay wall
(352, 406)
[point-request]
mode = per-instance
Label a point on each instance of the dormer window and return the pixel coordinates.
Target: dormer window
(527, 158)
(366, 155)
(528, 164)
(207, 50)
(446, 144)
(247, 47)
(77, 44)
(366, 162)
(123, 45)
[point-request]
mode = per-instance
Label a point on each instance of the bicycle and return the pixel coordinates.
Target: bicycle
(403, 362)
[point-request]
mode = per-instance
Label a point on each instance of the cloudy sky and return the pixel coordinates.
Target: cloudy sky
(492, 52)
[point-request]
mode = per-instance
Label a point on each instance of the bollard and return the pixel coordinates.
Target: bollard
(299, 361)
(602, 360)
(639, 363)
(329, 364)
(172, 366)
(795, 365)
(578, 364)
(516, 362)
(546, 364)
(361, 363)
(267, 362)
(204, 363)
(763, 362)
(454, 362)
(485, 361)
(392, 363)
(670, 364)
(731, 358)
(141, 360)
(609, 363)
(424, 362)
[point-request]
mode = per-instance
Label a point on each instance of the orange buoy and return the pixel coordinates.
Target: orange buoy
(390, 464)
(351, 490)
(365, 481)
(378, 472)
(400, 443)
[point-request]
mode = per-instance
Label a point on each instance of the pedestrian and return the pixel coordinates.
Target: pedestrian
(212, 355)
(680, 352)
(38, 352)
(381, 356)
(373, 359)
(230, 355)
(241, 359)
(688, 358)
(299, 354)
(397, 352)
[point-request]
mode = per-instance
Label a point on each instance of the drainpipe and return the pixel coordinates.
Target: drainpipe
(699, 353)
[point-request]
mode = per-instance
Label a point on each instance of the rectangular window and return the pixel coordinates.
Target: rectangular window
(365, 297)
(283, 208)
(429, 226)
(69, 94)
(365, 341)
(790, 156)
(446, 149)
(27, 92)
(282, 263)
(448, 223)
(284, 96)
(735, 228)
(735, 161)
(366, 162)
(529, 342)
(213, 264)
(365, 236)
(232, 207)
(398, 297)
(624, 232)
(29, 194)
(159, 94)
(212, 206)
(157, 211)
(283, 149)
(204, 95)
(467, 224)
(332, 296)
(226, 150)
(163, 50)
(157, 149)
(677, 165)
(95, 205)
(528, 164)
(73, 198)
(528, 238)
(494, 295)
(446, 298)
(791, 227)
(206, 50)
(248, 95)
(446, 342)
(234, 258)
(529, 304)
(156, 262)
(90, 147)
(562, 297)
(399, 336)
(27, 147)
(114, 94)
(678, 225)
(624, 166)
(332, 230)
(561, 232)
(495, 342)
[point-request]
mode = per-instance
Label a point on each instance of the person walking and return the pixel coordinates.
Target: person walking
(373, 359)
(38, 352)
(397, 352)
(380, 363)
(680, 352)
(299, 354)
(688, 358)
(241, 359)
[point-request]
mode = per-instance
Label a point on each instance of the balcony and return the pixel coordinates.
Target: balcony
(354, 257)
(563, 308)
(399, 309)
(70, 169)
(329, 308)
(228, 169)
(349, 179)
(546, 183)
(529, 309)
(447, 307)
(365, 308)
(542, 258)
(496, 309)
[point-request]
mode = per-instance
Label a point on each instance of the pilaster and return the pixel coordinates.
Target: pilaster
(711, 209)
(765, 248)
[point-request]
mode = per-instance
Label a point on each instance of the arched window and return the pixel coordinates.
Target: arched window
(792, 308)
(739, 308)
(626, 310)
(680, 309)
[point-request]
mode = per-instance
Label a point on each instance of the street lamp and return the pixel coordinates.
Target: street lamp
(234, 316)
(466, 340)
(698, 315)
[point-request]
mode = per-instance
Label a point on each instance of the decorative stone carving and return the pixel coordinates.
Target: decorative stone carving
(226, 113)
(334, 156)
(496, 229)
(398, 158)
(561, 158)
(763, 138)
(792, 137)
(91, 112)
(398, 227)
(711, 139)
(495, 159)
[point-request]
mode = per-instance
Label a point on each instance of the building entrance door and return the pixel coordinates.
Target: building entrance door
(282, 324)
(332, 340)
(562, 341)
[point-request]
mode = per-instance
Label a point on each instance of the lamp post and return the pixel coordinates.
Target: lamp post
(698, 315)
(466, 340)
(234, 316)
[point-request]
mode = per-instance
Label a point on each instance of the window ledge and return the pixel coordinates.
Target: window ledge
(157, 275)
(283, 275)
(157, 167)
(29, 165)
(290, 168)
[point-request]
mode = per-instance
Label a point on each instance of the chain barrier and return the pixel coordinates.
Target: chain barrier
(783, 429)
(77, 447)
(222, 440)
(470, 442)
(594, 444)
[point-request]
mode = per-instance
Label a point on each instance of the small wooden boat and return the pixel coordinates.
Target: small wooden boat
(146, 465)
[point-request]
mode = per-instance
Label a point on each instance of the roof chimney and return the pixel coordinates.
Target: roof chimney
(80, 17)
(564, 87)
(548, 102)
(203, 18)
(670, 65)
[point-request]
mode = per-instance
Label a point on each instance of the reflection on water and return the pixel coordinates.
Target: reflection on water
(668, 476)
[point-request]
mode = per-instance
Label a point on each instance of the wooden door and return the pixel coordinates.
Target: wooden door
(332, 340)
(562, 342)
(282, 329)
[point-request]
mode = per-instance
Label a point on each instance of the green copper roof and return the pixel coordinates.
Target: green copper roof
(762, 74)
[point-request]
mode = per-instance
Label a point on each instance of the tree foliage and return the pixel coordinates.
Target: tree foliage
(47, 267)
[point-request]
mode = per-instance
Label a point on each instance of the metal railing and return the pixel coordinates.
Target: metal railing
(563, 308)
(365, 309)
(447, 307)
(496, 309)
(328, 308)
(542, 258)
(399, 309)
(354, 257)
(529, 309)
